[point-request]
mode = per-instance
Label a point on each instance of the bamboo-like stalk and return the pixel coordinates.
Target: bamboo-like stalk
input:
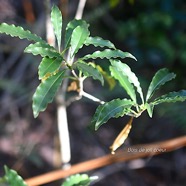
(62, 121)
(50, 36)
(150, 150)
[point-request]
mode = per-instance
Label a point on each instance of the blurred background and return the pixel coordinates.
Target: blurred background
(154, 32)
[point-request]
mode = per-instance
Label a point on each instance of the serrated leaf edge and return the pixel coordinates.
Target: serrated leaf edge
(15, 174)
(54, 60)
(42, 46)
(56, 19)
(89, 40)
(37, 38)
(151, 92)
(75, 49)
(97, 114)
(167, 99)
(116, 54)
(36, 112)
(80, 22)
(130, 91)
(88, 74)
(132, 78)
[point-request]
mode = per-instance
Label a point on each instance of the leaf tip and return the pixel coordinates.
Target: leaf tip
(96, 127)
(133, 57)
(96, 124)
(35, 114)
(6, 168)
(34, 109)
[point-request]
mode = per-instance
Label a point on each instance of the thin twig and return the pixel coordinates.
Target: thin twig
(89, 96)
(82, 92)
(150, 150)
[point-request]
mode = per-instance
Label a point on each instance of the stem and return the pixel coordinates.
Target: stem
(50, 36)
(92, 97)
(75, 75)
(63, 135)
(80, 9)
(62, 113)
(85, 94)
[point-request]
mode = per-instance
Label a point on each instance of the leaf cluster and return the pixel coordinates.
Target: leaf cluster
(56, 63)
(132, 107)
(78, 180)
(130, 83)
(12, 178)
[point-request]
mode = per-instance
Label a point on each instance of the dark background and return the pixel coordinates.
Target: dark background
(154, 32)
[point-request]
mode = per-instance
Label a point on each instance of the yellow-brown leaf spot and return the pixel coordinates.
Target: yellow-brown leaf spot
(48, 74)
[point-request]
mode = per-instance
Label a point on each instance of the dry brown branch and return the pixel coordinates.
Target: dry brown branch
(141, 151)
(28, 10)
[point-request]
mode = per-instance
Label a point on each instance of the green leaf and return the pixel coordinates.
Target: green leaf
(78, 180)
(126, 71)
(150, 108)
(89, 70)
(113, 109)
(118, 74)
(17, 31)
(43, 49)
(12, 178)
(45, 92)
(171, 97)
(79, 35)
(56, 19)
(48, 66)
(159, 79)
(109, 54)
(69, 29)
(99, 42)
